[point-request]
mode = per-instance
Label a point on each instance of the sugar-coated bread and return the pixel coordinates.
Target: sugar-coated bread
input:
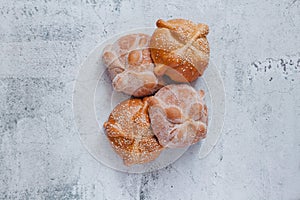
(129, 132)
(179, 49)
(178, 115)
(130, 66)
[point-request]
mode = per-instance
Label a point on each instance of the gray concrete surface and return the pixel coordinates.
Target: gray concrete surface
(255, 44)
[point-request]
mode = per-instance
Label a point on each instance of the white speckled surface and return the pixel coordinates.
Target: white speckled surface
(254, 43)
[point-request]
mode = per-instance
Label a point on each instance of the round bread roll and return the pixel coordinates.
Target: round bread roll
(179, 49)
(130, 66)
(129, 132)
(178, 115)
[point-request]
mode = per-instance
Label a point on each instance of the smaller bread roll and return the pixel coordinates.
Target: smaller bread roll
(130, 66)
(179, 49)
(178, 115)
(129, 132)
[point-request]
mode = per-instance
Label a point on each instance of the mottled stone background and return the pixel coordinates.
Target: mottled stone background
(256, 46)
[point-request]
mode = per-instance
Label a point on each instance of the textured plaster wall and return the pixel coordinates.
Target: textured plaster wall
(256, 46)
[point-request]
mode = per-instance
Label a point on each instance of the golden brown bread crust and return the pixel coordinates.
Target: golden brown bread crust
(130, 66)
(178, 115)
(128, 129)
(179, 49)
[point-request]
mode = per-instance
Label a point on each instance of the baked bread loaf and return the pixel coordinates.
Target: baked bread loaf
(129, 132)
(179, 49)
(178, 115)
(130, 66)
